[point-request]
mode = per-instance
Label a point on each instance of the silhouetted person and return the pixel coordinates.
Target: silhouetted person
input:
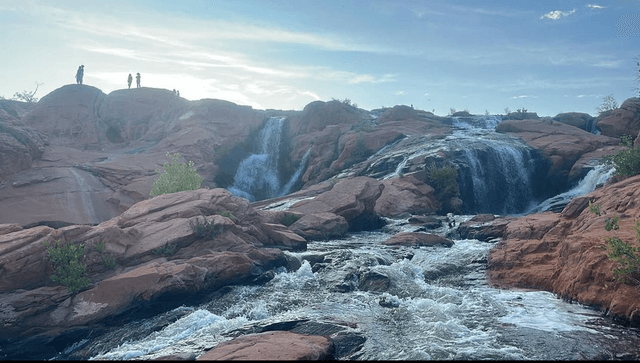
(178, 93)
(138, 80)
(129, 80)
(80, 74)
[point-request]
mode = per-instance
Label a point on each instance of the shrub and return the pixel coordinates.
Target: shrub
(608, 104)
(176, 177)
(626, 162)
(70, 272)
(622, 252)
(444, 180)
(166, 250)
(205, 229)
(289, 219)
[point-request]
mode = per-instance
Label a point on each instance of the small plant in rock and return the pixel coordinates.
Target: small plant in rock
(622, 252)
(289, 219)
(109, 262)
(205, 229)
(444, 181)
(166, 250)
(176, 177)
(100, 247)
(626, 162)
(70, 271)
(226, 213)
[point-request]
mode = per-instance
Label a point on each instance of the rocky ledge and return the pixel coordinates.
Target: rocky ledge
(561, 252)
(153, 253)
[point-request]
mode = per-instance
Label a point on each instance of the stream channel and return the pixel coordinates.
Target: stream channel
(425, 303)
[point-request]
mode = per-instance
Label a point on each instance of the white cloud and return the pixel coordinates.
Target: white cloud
(594, 6)
(524, 96)
(557, 14)
(401, 93)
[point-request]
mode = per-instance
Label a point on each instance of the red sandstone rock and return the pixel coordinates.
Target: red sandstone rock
(562, 252)
(274, 345)
(624, 120)
(418, 239)
(563, 144)
(405, 195)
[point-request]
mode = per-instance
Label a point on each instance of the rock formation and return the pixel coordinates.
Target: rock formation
(561, 252)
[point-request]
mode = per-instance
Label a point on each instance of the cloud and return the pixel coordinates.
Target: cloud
(594, 6)
(524, 96)
(557, 14)
(401, 93)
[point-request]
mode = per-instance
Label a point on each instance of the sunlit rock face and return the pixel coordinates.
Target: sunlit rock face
(624, 120)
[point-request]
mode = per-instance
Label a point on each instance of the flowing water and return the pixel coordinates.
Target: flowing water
(407, 303)
(430, 303)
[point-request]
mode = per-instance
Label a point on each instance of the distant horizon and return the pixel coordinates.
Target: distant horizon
(547, 57)
(300, 110)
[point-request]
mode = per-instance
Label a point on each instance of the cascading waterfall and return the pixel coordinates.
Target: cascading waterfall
(497, 178)
(596, 176)
(257, 175)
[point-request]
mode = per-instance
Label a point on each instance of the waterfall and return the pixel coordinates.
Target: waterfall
(596, 176)
(257, 175)
(496, 176)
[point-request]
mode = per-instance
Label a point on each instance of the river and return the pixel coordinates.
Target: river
(425, 303)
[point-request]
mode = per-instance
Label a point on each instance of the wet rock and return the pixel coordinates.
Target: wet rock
(275, 345)
(418, 239)
(427, 222)
(483, 227)
(374, 281)
(320, 226)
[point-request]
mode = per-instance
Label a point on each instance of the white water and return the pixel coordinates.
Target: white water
(428, 315)
(596, 176)
(259, 172)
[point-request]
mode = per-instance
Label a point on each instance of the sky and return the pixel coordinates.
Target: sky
(438, 55)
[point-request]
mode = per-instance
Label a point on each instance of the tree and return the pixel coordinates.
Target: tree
(27, 96)
(608, 104)
(176, 177)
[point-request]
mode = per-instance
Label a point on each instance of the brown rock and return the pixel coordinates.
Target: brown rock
(418, 239)
(563, 144)
(405, 195)
(20, 145)
(274, 345)
(562, 252)
(622, 121)
(578, 119)
(349, 198)
(320, 226)
(483, 227)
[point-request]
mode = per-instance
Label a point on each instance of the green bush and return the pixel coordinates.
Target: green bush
(166, 250)
(205, 229)
(444, 181)
(626, 162)
(176, 177)
(617, 250)
(70, 272)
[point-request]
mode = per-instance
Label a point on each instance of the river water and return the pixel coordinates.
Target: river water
(430, 303)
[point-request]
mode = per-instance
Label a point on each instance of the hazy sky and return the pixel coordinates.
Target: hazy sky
(546, 56)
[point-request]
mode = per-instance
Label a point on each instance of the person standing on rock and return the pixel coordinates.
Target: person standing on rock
(138, 80)
(80, 74)
(129, 80)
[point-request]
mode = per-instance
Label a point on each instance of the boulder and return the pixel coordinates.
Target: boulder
(418, 239)
(562, 252)
(405, 195)
(320, 226)
(483, 227)
(624, 120)
(580, 120)
(272, 345)
(348, 198)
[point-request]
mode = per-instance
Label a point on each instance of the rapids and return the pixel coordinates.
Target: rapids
(425, 303)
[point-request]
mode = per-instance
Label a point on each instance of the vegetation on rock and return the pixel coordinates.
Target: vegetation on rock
(289, 219)
(70, 271)
(626, 162)
(622, 252)
(176, 177)
(608, 104)
(444, 180)
(205, 229)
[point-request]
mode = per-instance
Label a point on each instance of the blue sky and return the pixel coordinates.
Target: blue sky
(545, 56)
